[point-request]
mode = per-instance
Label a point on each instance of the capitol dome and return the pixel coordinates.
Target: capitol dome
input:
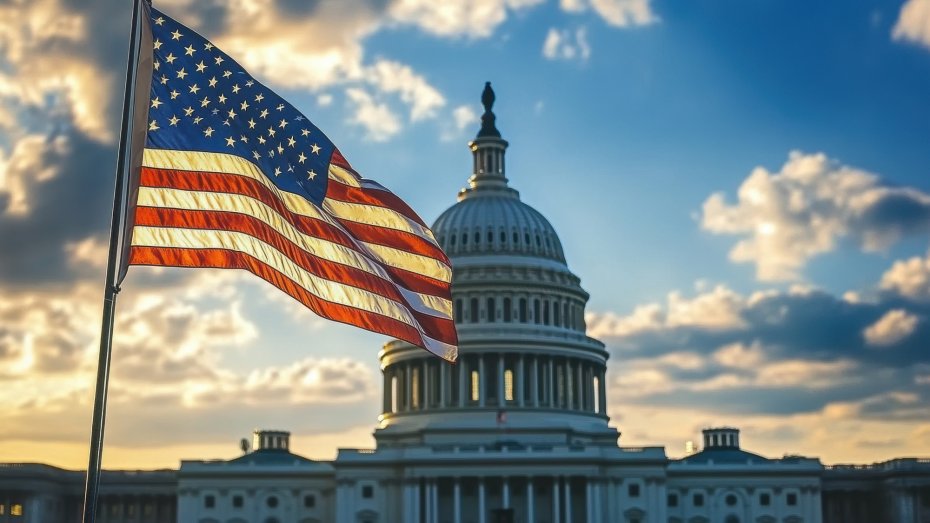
(525, 361)
(496, 223)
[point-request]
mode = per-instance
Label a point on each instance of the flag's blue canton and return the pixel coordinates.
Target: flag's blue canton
(202, 100)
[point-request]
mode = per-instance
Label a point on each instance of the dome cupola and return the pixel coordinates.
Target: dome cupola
(489, 217)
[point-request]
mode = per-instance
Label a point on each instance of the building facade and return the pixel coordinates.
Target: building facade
(516, 431)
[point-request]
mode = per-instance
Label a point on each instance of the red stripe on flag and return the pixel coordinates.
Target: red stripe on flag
(223, 259)
(338, 159)
(401, 240)
(234, 184)
(437, 328)
(339, 191)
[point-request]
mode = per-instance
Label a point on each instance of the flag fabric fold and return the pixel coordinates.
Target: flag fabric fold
(233, 176)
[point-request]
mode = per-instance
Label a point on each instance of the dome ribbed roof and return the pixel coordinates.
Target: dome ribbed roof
(496, 224)
(489, 217)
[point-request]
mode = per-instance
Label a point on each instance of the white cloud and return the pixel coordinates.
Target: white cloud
(379, 122)
(913, 22)
(26, 169)
(625, 13)
(91, 251)
(790, 216)
(471, 18)
(393, 77)
(54, 66)
(618, 13)
(312, 380)
(324, 99)
(716, 309)
(463, 116)
(910, 278)
(740, 356)
(565, 45)
(893, 327)
(573, 6)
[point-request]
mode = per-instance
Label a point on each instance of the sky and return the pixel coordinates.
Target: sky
(742, 187)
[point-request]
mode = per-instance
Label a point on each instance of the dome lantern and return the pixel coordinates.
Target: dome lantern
(488, 149)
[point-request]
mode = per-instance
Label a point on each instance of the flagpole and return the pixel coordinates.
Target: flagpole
(111, 288)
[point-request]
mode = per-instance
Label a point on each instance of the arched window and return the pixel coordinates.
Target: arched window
(458, 311)
(490, 236)
(537, 316)
(492, 316)
(508, 385)
(546, 312)
(556, 314)
(596, 386)
(473, 310)
(477, 237)
(508, 310)
(503, 237)
(523, 311)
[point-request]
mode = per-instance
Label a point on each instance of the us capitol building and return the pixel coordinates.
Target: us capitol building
(517, 431)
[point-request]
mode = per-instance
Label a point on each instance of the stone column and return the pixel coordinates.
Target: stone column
(530, 504)
(580, 386)
(457, 500)
(32, 508)
(534, 381)
(904, 500)
(408, 385)
(568, 499)
(556, 509)
(410, 501)
(551, 388)
(482, 511)
(341, 499)
(501, 400)
(566, 384)
(589, 500)
(505, 492)
(608, 511)
(444, 383)
(462, 381)
(481, 380)
(386, 396)
(520, 385)
(652, 490)
(427, 501)
(425, 385)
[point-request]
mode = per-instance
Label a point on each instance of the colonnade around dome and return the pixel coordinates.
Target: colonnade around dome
(498, 379)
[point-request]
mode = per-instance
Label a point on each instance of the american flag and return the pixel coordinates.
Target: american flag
(233, 176)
